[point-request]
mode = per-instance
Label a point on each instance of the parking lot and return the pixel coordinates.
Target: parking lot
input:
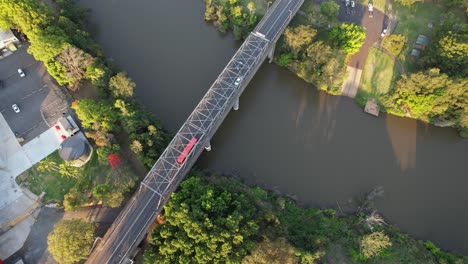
(40, 100)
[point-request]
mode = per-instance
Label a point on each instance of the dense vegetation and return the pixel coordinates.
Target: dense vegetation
(71, 240)
(58, 38)
(220, 220)
(434, 90)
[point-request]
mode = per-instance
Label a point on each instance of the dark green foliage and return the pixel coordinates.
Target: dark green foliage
(101, 190)
(449, 54)
(330, 9)
(285, 60)
(205, 223)
(233, 15)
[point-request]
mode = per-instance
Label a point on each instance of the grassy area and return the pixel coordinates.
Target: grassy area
(378, 76)
(52, 183)
(55, 185)
(414, 20)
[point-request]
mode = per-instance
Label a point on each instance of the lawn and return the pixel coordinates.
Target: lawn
(378, 75)
(92, 173)
(52, 183)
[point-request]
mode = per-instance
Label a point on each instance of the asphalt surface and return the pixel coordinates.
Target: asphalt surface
(139, 213)
(373, 25)
(40, 100)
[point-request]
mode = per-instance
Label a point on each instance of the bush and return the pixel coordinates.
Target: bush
(372, 245)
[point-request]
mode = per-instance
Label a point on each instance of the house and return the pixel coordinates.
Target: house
(8, 40)
(421, 42)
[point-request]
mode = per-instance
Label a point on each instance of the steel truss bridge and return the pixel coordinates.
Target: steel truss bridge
(136, 218)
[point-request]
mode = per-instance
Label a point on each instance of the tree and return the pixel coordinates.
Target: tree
(297, 38)
(121, 85)
(136, 146)
(348, 36)
(71, 241)
(330, 9)
(101, 191)
(114, 160)
(104, 152)
(373, 244)
(47, 165)
(75, 62)
(428, 95)
(267, 252)
(323, 67)
(66, 169)
(251, 7)
(449, 54)
(97, 116)
(394, 43)
(205, 223)
(407, 3)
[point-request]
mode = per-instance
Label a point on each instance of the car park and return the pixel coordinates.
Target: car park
(15, 108)
(21, 73)
(238, 81)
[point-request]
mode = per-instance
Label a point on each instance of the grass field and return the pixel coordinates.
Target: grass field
(378, 76)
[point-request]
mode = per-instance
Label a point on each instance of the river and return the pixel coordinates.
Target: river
(287, 136)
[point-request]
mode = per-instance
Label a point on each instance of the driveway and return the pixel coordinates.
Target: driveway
(40, 100)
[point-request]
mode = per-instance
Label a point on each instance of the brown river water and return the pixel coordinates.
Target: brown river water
(287, 136)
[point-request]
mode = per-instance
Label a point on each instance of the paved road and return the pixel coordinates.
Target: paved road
(139, 213)
(37, 95)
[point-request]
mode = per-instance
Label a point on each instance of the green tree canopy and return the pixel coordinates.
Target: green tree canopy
(97, 116)
(450, 54)
(430, 95)
(348, 36)
(204, 224)
(71, 241)
(330, 9)
(121, 85)
(298, 38)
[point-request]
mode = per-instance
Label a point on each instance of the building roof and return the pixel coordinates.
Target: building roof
(422, 40)
(72, 148)
(6, 35)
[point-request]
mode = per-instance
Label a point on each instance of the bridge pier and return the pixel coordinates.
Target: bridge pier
(271, 53)
(208, 146)
(236, 104)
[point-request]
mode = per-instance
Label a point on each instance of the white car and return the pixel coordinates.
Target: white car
(353, 4)
(384, 32)
(21, 73)
(15, 108)
(238, 81)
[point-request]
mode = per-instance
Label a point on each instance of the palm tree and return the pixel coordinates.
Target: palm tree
(47, 165)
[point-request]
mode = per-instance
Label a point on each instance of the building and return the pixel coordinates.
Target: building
(67, 126)
(8, 40)
(75, 149)
(421, 42)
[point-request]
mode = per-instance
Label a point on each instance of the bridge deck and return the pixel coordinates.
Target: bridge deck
(166, 174)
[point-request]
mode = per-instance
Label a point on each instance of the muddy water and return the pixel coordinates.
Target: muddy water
(287, 136)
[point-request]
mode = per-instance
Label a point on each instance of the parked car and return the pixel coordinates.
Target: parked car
(238, 81)
(384, 32)
(353, 4)
(347, 3)
(15, 108)
(21, 73)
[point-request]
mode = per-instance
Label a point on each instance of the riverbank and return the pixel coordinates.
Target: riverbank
(328, 72)
(285, 233)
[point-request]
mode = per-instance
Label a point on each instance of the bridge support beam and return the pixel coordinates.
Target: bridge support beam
(236, 104)
(208, 146)
(271, 53)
